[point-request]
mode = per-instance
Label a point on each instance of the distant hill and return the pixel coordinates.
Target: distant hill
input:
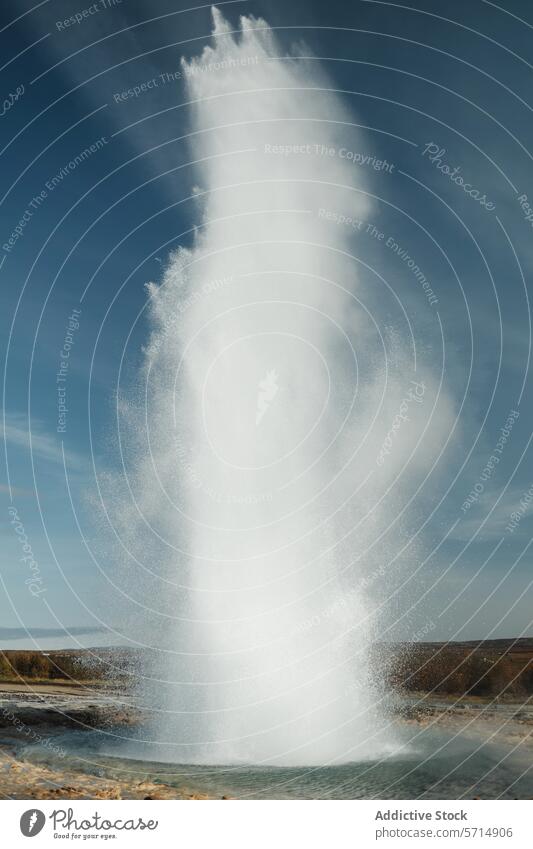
(488, 668)
(484, 668)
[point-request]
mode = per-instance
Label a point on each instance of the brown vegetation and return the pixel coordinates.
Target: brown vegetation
(488, 669)
(48, 666)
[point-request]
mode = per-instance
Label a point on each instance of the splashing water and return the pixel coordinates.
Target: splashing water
(253, 487)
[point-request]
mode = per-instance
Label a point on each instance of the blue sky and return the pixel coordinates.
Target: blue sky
(459, 80)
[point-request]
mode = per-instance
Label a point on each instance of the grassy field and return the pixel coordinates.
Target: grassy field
(488, 669)
(99, 666)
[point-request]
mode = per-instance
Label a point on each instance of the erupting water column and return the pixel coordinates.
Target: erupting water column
(257, 434)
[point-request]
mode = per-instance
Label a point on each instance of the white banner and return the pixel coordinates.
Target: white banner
(268, 824)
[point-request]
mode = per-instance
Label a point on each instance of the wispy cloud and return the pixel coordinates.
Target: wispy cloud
(496, 523)
(21, 633)
(39, 441)
(16, 491)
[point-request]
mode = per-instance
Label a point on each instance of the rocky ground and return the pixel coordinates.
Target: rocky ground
(23, 780)
(504, 721)
(39, 713)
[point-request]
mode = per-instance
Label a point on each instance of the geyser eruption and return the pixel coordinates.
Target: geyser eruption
(253, 493)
